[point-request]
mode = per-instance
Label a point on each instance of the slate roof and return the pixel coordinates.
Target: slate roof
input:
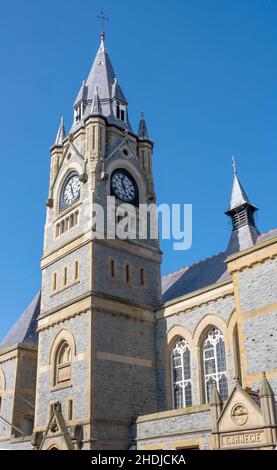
(242, 238)
(24, 330)
(266, 236)
(203, 274)
(197, 276)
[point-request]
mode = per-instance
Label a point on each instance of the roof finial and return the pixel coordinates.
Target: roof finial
(103, 38)
(234, 164)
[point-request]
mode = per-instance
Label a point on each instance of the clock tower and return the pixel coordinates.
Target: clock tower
(96, 357)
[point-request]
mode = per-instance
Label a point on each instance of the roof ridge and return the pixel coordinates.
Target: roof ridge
(266, 233)
(175, 272)
(193, 264)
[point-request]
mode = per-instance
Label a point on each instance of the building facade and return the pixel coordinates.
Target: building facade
(108, 356)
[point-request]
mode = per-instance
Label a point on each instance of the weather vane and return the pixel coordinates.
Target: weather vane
(103, 18)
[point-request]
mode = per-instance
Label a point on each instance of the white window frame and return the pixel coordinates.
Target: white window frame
(213, 337)
(181, 345)
(122, 107)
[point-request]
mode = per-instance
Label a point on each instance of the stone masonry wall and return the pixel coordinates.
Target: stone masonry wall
(171, 429)
(79, 328)
(148, 294)
(73, 289)
(9, 369)
(257, 288)
(25, 390)
(223, 308)
(123, 389)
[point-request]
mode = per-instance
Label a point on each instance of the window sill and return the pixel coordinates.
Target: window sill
(61, 387)
(67, 210)
(65, 287)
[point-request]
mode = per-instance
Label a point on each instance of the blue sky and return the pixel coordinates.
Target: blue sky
(203, 71)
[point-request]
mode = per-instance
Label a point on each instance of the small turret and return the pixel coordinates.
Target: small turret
(96, 105)
(268, 410)
(216, 405)
(142, 130)
(61, 134)
(241, 211)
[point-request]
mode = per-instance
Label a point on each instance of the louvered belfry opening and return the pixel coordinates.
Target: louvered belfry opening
(243, 216)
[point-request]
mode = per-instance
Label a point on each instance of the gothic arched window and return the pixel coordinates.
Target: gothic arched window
(63, 363)
(181, 374)
(215, 364)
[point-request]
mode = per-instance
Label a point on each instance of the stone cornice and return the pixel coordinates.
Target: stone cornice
(173, 413)
(150, 253)
(13, 350)
(94, 300)
(196, 298)
(255, 255)
(259, 246)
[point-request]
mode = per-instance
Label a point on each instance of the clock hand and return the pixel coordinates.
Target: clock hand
(71, 190)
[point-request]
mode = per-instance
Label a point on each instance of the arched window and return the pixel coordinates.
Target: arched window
(181, 374)
(63, 363)
(215, 364)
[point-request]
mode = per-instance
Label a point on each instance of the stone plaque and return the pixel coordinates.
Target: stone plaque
(239, 414)
(243, 439)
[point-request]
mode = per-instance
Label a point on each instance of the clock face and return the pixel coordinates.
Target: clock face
(71, 191)
(123, 186)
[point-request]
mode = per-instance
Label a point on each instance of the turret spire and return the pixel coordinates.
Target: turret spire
(96, 105)
(238, 196)
(142, 131)
(215, 397)
(61, 134)
(241, 211)
(265, 390)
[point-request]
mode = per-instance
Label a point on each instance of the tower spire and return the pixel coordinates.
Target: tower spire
(111, 99)
(241, 211)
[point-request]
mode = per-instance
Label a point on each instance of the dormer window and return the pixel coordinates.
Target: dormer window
(79, 112)
(121, 112)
